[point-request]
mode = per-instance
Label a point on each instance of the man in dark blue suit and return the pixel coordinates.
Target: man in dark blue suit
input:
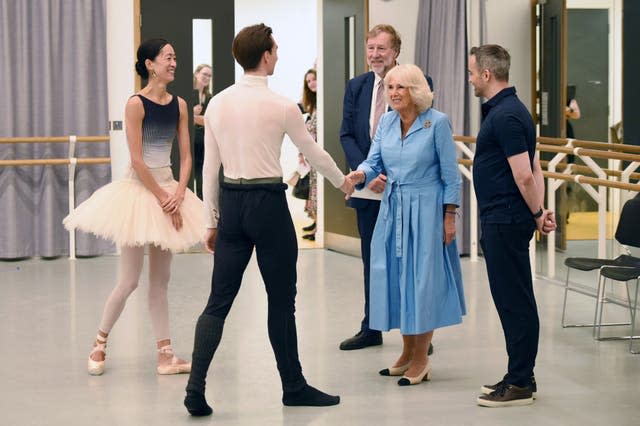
(363, 105)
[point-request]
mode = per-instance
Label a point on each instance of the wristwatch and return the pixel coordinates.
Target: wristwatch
(538, 213)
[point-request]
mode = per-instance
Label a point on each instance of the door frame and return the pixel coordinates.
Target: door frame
(614, 8)
(339, 221)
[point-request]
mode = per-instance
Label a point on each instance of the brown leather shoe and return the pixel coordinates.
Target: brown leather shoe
(487, 389)
(507, 395)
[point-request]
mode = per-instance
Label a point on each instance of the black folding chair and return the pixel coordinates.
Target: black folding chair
(618, 274)
(627, 234)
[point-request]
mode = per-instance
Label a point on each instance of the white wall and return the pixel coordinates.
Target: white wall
(403, 16)
(120, 75)
(295, 29)
(509, 25)
(500, 30)
(294, 24)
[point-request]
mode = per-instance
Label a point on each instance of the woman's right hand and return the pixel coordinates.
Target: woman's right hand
(176, 219)
(171, 202)
(197, 110)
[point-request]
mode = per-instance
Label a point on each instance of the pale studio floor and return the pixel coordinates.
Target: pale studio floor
(49, 311)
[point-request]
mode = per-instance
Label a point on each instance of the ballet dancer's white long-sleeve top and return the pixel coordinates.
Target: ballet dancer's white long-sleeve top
(244, 128)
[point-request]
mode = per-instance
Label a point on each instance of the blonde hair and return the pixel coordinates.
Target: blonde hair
(199, 68)
(411, 77)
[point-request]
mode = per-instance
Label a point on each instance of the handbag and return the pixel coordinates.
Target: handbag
(301, 188)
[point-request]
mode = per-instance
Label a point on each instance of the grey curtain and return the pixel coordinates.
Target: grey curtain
(53, 81)
(441, 52)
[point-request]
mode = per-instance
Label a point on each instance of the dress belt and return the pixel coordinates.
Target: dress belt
(256, 181)
(395, 188)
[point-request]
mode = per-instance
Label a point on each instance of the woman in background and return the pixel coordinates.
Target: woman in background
(201, 82)
(147, 207)
(309, 89)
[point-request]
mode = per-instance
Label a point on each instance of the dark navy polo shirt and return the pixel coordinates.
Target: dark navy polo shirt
(507, 129)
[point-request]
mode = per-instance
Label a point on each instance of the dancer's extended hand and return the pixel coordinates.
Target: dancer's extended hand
(347, 187)
(210, 239)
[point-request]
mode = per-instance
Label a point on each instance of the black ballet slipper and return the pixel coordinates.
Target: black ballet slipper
(309, 396)
(197, 405)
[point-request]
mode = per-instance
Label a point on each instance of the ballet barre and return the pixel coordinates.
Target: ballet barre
(557, 173)
(70, 161)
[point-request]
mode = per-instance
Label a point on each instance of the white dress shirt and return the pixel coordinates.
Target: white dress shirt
(244, 129)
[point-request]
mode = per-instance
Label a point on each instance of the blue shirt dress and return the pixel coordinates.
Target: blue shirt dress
(416, 281)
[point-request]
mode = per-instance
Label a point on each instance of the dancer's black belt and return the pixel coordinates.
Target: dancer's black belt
(256, 181)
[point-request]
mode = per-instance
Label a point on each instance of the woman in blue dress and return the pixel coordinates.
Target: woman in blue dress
(416, 283)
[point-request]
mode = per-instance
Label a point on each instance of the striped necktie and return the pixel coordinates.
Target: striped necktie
(379, 110)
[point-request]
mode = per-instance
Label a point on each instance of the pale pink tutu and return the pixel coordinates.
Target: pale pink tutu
(127, 213)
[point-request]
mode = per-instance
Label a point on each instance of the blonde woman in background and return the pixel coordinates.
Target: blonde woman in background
(201, 87)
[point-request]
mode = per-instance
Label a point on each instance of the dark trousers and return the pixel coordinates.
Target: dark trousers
(258, 216)
(198, 164)
(367, 217)
(506, 251)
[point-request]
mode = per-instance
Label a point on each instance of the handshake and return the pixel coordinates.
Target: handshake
(350, 180)
(356, 177)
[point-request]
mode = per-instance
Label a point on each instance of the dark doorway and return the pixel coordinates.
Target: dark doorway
(343, 32)
(553, 83)
(174, 22)
(552, 68)
(588, 71)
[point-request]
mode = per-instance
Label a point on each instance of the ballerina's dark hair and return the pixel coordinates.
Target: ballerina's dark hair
(148, 49)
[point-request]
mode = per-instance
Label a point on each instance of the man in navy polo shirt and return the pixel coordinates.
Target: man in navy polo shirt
(510, 190)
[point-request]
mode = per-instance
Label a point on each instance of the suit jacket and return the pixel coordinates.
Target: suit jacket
(354, 131)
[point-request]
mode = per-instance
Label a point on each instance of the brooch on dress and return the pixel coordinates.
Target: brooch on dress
(427, 124)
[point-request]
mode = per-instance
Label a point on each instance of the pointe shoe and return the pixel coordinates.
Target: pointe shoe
(394, 371)
(176, 366)
(425, 375)
(96, 368)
